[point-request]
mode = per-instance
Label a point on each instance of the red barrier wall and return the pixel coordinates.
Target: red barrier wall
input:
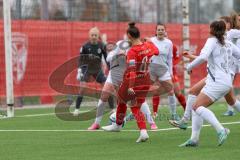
(49, 44)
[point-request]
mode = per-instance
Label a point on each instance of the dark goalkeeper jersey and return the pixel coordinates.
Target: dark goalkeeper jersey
(91, 57)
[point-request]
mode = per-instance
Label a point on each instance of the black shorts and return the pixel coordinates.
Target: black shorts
(98, 77)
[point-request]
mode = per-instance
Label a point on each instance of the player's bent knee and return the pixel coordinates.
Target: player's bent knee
(231, 101)
(105, 96)
(177, 93)
(192, 91)
(195, 107)
(171, 92)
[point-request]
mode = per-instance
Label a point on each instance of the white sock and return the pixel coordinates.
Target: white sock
(230, 108)
(197, 123)
(143, 132)
(100, 109)
(190, 101)
(209, 116)
(237, 105)
(145, 109)
(172, 104)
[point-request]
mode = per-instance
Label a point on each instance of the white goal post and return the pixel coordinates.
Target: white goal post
(186, 41)
(8, 57)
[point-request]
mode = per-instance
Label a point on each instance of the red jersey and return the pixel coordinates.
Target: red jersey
(176, 60)
(140, 55)
(136, 75)
(176, 56)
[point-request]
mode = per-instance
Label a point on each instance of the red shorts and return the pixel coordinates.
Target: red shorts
(141, 89)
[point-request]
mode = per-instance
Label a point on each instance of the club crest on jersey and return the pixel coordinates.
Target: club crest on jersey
(99, 51)
(19, 52)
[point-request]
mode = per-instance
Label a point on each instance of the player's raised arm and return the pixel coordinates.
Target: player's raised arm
(81, 53)
(191, 57)
(205, 53)
(104, 53)
(81, 63)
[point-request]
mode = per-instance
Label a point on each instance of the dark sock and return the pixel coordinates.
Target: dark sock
(79, 101)
(111, 102)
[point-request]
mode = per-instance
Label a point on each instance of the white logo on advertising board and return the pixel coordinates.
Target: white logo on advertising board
(19, 51)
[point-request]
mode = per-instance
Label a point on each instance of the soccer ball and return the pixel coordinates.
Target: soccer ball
(113, 119)
(3, 116)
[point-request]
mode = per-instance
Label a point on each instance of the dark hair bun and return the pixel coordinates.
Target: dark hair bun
(133, 30)
(131, 24)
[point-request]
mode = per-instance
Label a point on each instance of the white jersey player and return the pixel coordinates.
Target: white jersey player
(195, 90)
(157, 73)
(218, 53)
(233, 35)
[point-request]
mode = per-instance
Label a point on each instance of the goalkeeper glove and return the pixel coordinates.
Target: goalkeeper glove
(79, 74)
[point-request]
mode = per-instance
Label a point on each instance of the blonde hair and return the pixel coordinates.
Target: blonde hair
(235, 24)
(94, 29)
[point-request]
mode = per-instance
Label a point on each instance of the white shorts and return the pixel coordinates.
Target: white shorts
(215, 91)
(115, 78)
(159, 72)
(154, 77)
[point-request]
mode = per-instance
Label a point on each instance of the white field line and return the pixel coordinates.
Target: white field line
(44, 114)
(59, 130)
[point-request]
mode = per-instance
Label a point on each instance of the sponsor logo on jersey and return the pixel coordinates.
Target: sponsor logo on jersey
(99, 51)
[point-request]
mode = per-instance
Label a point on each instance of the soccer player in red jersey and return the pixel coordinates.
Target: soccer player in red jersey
(175, 78)
(136, 82)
